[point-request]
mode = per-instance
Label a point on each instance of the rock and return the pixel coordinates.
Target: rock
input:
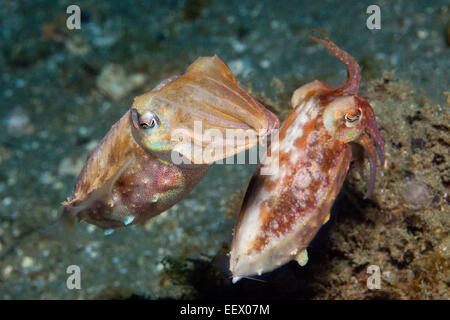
(114, 81)
(240, 67)
(27, 262)
(77, 46)
(18, 123)
(238, 46)
(7, 271)
(69, 166)
(417, 194)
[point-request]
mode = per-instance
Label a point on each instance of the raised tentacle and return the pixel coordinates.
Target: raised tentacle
(351, 86)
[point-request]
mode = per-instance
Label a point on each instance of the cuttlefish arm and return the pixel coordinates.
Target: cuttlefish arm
(105, 163)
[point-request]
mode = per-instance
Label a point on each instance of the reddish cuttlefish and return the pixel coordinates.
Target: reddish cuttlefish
(282, 212)
(130, 176)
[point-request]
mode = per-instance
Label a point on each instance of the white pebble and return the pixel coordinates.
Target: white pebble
(114, 81)
(91, 145)
(238, 46)
(422, 34)
(27, 262)
(159, 267)
(7, 201)
(7, 271)
(69, 166)
(18, 123)
(264, 64)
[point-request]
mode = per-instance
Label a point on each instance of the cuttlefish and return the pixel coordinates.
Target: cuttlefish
(282, 212)
(155, 154)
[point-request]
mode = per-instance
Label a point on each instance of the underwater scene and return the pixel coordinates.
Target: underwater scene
(206, 149)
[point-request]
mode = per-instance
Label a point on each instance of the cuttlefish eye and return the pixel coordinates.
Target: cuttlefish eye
(146, 123)
(352, 118)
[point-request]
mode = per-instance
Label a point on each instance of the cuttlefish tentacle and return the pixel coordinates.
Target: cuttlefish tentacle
(358, 158)
(366, 142)
(376, 136)
(351, 85)
(372, 142)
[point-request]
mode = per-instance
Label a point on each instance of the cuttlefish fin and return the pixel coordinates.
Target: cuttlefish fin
(213, 67)
(214, 70)
(209, 93)
(165, 82)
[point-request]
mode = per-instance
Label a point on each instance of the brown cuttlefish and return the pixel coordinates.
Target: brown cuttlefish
(152, 157)
(282, 212)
